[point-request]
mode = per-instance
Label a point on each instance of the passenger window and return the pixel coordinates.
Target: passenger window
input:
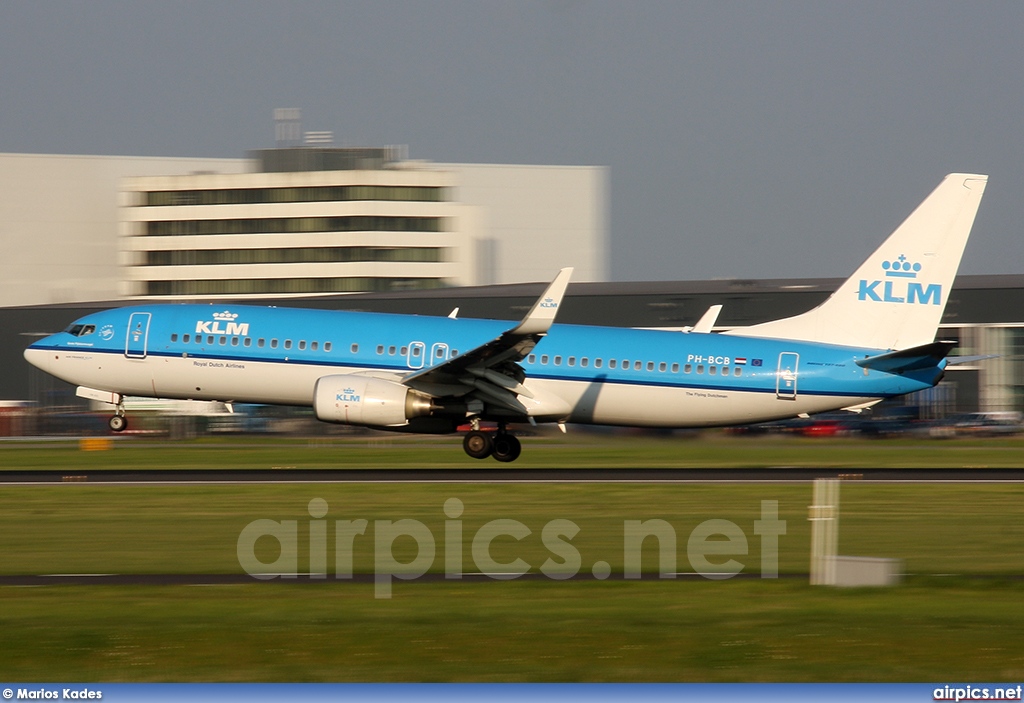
(637, 365)
(650, 366)
(583, 361)
(532, 358)
(700, 368)
(186, 338)
(209, 339)
(199, 339)
(675, 368)
(234, 341)
(662, 366)
(391, 350)
(273, 344)
(416, 351)
(455, 353)
(405, 350)
(287, 344)
(261, 342)
(355, 348)
(439, 353)
(248, 341)
(174, 337)
(223, 341)
(597, 363)
(737, 371)
(712, 370)
(572, 361)
(687, 369)
(314, 345)
(302, 344)
(725, 370)
(544, 359)
(612, 363)
(327, 346)
(625, 364)
(558, 361)
(380, 348)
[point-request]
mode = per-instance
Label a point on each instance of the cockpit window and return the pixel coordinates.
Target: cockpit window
(79, 330)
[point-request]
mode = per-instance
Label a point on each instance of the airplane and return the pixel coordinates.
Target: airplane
(874, 338)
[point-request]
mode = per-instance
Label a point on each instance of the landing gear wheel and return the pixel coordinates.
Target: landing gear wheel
(478, 445)
(118, 423)
(506, 447)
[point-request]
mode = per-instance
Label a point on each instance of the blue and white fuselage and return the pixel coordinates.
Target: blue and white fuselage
(874, 338)
(587, 374)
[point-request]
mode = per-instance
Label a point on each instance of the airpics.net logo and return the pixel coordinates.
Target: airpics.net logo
(712, 548)
(898, 286)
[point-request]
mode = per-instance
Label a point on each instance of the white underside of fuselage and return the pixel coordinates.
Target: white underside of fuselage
(284, 383)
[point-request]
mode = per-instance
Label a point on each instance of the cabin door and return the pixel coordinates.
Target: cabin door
(138, 335)
(785, 377)
(416, 354)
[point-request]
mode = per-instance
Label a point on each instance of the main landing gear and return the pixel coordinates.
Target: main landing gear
(501, 445)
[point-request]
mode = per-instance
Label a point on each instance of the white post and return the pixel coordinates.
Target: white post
(824, 517)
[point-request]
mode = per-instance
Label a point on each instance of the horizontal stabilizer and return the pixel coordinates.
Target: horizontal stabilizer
(923, 357)
(958, 360)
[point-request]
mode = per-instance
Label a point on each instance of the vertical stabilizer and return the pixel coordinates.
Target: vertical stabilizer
(896, 298)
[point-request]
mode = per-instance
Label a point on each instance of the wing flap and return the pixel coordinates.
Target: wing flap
(491, 369)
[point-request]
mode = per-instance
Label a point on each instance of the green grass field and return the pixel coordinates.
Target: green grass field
(544, 450)
(957, 616)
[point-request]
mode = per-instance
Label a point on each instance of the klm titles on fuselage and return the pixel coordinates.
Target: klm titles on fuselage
(223, 323)
(912, 293)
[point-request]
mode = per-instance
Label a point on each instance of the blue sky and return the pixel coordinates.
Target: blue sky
(743, 139)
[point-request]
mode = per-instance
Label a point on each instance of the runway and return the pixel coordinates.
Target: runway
(504, 475)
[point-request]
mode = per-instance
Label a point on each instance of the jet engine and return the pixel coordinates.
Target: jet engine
(362, 400)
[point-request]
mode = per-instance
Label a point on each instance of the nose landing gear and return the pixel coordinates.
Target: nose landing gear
(118, 422)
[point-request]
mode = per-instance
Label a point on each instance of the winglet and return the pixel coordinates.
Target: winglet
(543, 312)
(708, 319)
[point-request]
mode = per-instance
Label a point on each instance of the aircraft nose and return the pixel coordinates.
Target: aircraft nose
(40, 358)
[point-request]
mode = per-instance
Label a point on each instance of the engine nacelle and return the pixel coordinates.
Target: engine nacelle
(363, 400)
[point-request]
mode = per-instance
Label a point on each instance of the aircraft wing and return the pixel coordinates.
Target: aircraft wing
(492, 369)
